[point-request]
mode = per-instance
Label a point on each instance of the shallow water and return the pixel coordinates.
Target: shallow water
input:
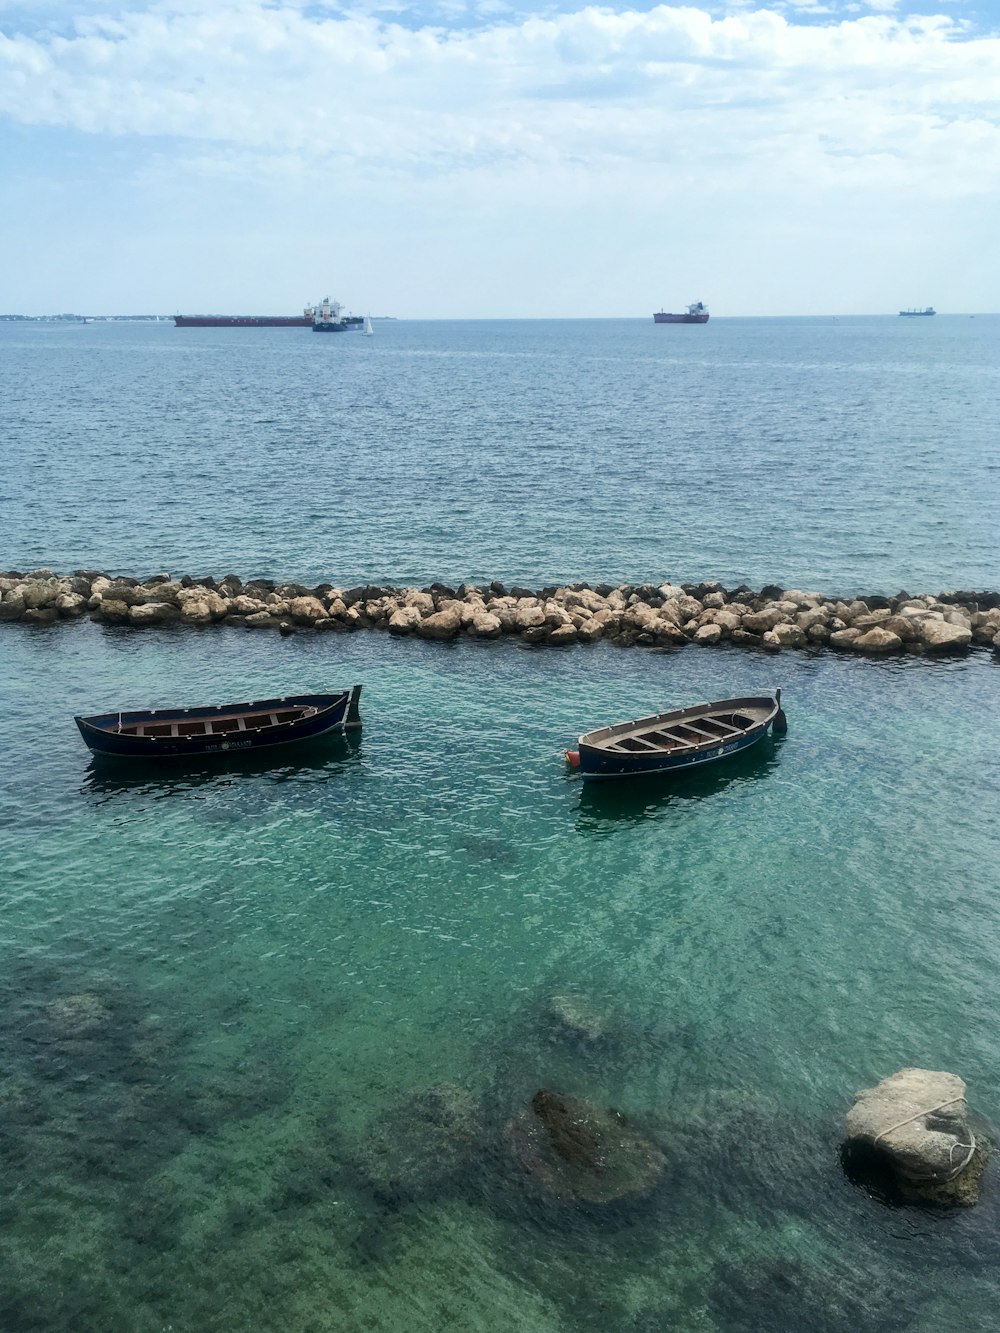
(224, 990)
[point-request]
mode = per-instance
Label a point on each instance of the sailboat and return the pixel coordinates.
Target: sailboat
(368, 330)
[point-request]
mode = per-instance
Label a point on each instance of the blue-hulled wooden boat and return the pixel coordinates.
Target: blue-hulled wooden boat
(675, 741)
(180, 733)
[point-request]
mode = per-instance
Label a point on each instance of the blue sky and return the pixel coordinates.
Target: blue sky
(498, 160)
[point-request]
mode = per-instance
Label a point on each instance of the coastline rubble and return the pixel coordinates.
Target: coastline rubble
(664, 615)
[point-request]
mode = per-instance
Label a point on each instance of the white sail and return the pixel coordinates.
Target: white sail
(368, 330)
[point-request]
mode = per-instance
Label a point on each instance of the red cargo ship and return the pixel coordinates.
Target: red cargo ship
(696, 314)
(303, 321)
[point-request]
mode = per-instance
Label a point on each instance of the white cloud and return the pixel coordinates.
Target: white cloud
(557, 114)
(597, 82)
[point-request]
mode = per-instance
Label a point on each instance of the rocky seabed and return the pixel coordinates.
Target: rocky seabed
(662, 615)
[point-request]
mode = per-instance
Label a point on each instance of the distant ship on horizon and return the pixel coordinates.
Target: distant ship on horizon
(306, 320)
(909, 314)
(696, 314)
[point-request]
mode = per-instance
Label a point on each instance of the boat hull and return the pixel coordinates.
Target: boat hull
(662, 317)
(323, 714)
(673, 742)
(241, 322)
(596, 766)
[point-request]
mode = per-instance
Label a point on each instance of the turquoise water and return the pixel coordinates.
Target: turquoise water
(224, 991)
(265, 1033)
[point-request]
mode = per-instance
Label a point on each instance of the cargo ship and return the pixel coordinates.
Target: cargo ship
(909, 314)
(696, 314)
(328, 318)
(306, 320)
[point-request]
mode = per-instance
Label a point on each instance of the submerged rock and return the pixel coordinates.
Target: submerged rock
(917, 1119)
(571, 1151)
(78, 1015)
(576, 1017)
(420, 1144)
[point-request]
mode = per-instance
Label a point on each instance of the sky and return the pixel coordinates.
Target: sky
(499, 158)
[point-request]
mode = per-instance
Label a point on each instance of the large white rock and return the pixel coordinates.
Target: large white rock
(877, 640)
(789, 635)
(485, 625)
(919, 1118)
(152, 613)
(306, 610)
(529, 617)
(442, 625)
(405, 620)
(940, 636)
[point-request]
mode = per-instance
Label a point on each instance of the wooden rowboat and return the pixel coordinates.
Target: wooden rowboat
(176, 733)
(678, 740)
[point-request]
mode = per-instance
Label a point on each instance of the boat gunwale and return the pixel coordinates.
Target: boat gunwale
(766, 705)
(105, 733)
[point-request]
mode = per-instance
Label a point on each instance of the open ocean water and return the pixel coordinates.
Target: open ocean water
(264, 1030)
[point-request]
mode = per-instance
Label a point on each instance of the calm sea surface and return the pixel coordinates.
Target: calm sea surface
(844, 455)
(263, 1030)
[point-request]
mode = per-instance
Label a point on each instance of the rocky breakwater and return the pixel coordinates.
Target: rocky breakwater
(664, 615)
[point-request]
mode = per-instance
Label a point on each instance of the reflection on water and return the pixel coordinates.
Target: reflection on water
(315, 761)
(632, 800)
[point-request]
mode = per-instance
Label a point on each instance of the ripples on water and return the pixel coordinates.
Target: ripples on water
(848, 455)
(227, 993)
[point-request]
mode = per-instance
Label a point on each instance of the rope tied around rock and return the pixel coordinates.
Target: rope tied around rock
(930, 1111)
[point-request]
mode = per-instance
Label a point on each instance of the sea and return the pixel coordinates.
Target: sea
(271, 1033)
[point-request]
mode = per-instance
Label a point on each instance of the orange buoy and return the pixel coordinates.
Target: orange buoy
(573, 758)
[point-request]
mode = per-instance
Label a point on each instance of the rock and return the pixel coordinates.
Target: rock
(708, 634)
(194, 611)
(744, 637)
(306, 610)
(415, 1147)
(576, 1017)
(563, 634)
(904, 627)
(758, 622)
(71, 604)
(421, 601)
(877, 640)
(404, 620)
(40, 593)
(485, 625)
(12, 607)
(813, 615)
(917, 1118)
(153, 613)
(112, 611)
(529, 616)
(570, 1151)
(260, 620)
(940, 636)
(844, 638)
(77, 1015)
(789, 635)
(441, 625)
